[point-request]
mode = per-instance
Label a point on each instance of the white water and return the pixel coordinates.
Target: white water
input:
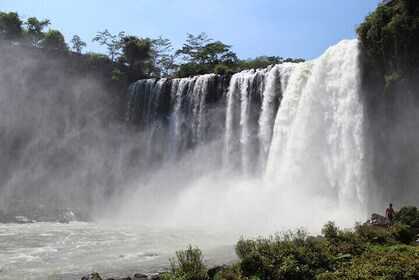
(70, 251)
(318, 142)
(292, 150)
(283, 147)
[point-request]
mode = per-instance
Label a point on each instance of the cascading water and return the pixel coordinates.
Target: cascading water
(318, 142)
(261, 151)
(295, 132)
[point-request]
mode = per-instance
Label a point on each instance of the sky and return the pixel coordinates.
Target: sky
(286, 28)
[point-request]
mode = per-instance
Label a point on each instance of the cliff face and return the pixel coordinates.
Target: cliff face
(390, 46)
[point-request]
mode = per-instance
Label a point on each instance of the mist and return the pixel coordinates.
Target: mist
(293, 145)
(61, 136)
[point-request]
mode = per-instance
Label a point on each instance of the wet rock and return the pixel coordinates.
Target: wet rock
(42, 214)
(93, 276)
(213, 270)
(139, 276)
(22, 220)
(156, 276)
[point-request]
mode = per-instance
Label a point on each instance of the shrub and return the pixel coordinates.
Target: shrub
(381, 262)
(291, 255)
(408, 215)
(375, 235)
(228, 273)
(188, 266)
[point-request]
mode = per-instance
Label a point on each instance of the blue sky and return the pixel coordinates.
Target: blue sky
(287, 28)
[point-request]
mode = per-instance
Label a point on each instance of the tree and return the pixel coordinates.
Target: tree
(163, 60)
(192, 49)
(10, 26)
(217, 52)
(78, 44)
(204, 56)
(34, 31)
(54, 40)
(260, 62)
(112, 42)
(137, 55)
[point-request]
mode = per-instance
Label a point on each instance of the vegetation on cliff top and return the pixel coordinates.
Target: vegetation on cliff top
(390, 39)
(128, 57)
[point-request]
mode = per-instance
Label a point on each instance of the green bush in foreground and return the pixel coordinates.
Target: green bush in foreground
(283, 256)
(398, 262)
(363, 252)
(188, 266)
(408, 215)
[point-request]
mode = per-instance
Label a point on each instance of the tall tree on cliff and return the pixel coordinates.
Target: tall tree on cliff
(10, 26)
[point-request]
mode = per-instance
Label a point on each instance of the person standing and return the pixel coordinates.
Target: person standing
(390, 214)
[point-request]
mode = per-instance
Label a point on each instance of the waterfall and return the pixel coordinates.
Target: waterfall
(297, 129)
(318, 142)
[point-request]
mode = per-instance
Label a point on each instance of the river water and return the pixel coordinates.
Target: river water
(70, 251)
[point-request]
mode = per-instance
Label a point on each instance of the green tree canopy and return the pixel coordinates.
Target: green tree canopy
(54, 40)
(192, 49)
(163, 59)
(137, 55)
(34, 30)
(10, 26)
(113, 43)
(78, 44)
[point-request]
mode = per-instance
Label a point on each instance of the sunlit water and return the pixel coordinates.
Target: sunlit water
(70, 251)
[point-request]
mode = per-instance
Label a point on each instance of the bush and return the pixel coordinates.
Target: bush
(222, 69)
(408, 215)
(291, 255)
(389, 40)
(381, 262)
(228, 273)
(188, 266)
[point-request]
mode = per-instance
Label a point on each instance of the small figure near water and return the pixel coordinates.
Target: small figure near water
(390, 214)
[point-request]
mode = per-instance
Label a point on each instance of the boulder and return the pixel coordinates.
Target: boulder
(377, 220)
(93, 276)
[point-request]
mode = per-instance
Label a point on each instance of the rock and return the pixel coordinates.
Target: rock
(29, 214)
(212, 271)
(377, 221)
(154, 276)
(64, 221)
(22, 220)
(140, 276)
(93, 276)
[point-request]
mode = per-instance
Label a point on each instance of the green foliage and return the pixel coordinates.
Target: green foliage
(78, 44)
(54, 41)
(390, 41)
(396, 262)
(402, 233)
(228, 273)
(192, 49)
(408, 215)
(137, 54)
(292, 255)
(10, 26)
(222, 69)
(112, 42)
(202, 56)
(163, 60)
(260, 62)
(34, 30)
(188, 266)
